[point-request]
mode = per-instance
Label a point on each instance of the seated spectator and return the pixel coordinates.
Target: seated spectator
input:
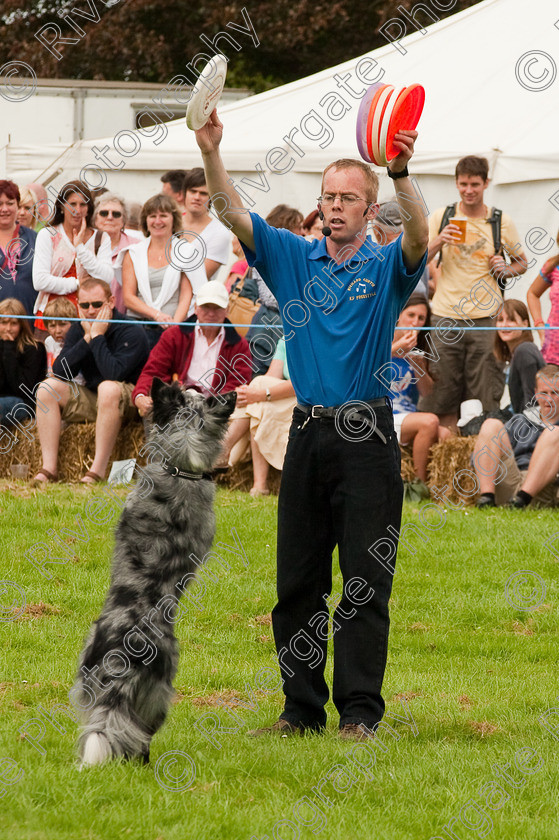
(516, 347)
(17, 246)
(265, 407)
(58, 329)
(110, 358)
(312, 226)
(239, 268)
(23, 360)
(153, 286)
(210, 359)
(518, 462)
(418, 428)
(71, 251)
(26, 208)
(173, 185)
(111, 216)
(387, 226)
(197, 223)
(547, 281)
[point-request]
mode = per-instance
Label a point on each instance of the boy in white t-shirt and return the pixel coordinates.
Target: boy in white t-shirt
(58, 308)
(199, 225)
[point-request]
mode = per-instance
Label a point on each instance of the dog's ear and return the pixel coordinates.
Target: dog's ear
(222, 406)
(156, 387)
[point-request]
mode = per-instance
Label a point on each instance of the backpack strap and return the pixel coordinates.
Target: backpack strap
(449, 212)
(495, 220)
(97, 241)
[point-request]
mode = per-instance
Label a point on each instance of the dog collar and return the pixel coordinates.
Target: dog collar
(176, 473)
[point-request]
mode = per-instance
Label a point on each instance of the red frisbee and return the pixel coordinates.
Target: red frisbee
(405, 116)
(375, 118)
(362, 118)
(380, 151)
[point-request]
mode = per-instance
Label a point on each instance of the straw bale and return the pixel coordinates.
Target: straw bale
(76, 450)
(406, 470)
(447, 458)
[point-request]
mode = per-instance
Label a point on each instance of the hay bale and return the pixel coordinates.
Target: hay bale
(406, 470)
(447, 458)
(76, 450)
(240, 477)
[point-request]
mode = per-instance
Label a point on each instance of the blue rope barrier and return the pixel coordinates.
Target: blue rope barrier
(260, 326)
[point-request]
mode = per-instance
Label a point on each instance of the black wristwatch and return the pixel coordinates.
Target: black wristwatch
(395, 175)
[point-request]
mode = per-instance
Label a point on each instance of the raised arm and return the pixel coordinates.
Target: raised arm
(533, 295)
(416, 230)
(225, 199)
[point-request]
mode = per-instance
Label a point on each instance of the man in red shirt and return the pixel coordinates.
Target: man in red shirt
(212, 359)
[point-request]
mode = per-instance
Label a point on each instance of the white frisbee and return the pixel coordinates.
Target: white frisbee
(206, 93)
(382, 104)
(383, 128)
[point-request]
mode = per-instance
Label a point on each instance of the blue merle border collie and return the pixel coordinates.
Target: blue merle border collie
(126, 669)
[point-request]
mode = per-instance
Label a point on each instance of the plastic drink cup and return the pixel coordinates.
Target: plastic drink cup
(461, 223)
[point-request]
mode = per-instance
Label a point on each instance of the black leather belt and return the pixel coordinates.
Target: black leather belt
(348, 411)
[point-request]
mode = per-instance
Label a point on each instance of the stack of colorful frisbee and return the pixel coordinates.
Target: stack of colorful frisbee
(382, 114)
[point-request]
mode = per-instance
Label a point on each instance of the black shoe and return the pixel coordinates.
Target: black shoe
(486, 500)
(281, 727)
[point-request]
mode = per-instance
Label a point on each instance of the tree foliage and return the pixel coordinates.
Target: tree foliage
(152, 41)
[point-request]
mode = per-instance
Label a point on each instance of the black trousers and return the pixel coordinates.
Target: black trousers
(343, 488)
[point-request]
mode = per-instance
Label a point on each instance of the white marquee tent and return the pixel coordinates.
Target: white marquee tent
(491, 89)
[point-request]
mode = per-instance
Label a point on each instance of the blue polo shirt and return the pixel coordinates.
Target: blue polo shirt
(338, 319)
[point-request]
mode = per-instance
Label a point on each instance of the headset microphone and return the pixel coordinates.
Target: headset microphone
(326, 231)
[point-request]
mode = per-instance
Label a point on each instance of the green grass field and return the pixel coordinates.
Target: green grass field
(472, 667)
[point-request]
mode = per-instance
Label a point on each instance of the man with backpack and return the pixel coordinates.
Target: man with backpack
(469, 293)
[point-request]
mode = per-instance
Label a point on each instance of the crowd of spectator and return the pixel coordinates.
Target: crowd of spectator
(99, 296)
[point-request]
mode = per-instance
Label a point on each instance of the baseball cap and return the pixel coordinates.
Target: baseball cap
(212, 292)
(389, 215)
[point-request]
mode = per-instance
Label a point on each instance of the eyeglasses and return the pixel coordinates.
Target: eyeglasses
(96, 304)
(116, 214)
(345, 198)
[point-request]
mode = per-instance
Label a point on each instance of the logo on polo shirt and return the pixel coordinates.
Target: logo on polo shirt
(361, 288)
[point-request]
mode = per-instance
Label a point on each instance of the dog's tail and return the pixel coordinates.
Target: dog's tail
(96, 749)
(113, 732)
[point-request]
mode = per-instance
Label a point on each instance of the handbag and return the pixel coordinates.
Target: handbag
(242, 309)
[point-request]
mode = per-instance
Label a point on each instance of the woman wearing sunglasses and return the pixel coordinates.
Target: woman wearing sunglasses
(68, 249)
(111, 214)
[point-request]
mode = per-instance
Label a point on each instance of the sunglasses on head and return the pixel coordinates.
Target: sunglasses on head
(116, 214)
(96, 304)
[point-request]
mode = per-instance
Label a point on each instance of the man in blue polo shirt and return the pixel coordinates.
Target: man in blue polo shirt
(339, 300)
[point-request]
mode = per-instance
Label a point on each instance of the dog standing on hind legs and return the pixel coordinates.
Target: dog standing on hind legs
(126, 669)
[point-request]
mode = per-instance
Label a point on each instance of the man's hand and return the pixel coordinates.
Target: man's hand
(86, 327)
(449, 234)
(143, 404)
(403, 140)
(101, 327)
(498, 266)
(209, 137)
